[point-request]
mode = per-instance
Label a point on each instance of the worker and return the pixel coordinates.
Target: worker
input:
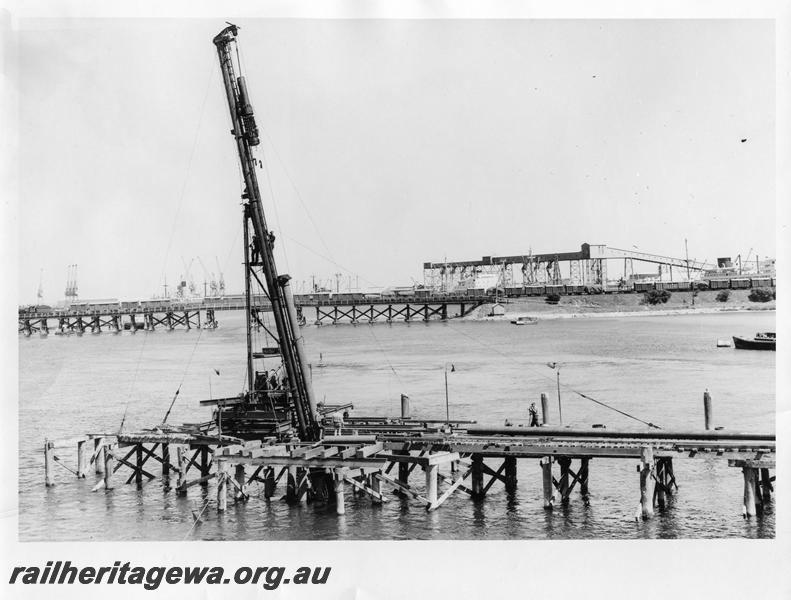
(533, 415)
(254, 248)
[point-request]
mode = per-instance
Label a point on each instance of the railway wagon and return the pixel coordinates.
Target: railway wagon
(741, 283)
(643, 286)
(761, 282)
(94, 307)
(719, 284)
(535, 290)
(574, 288)
(514, 291)
(672, 286)
(555, 289)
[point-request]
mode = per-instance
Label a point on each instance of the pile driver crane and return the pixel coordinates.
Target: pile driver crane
(271, 405)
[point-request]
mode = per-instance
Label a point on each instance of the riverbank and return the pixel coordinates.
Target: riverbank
(621, 305)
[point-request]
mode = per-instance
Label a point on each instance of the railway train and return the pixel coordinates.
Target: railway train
(236, 301)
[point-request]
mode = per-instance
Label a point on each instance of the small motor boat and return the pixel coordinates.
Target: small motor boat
(525, 321)
(761, 341)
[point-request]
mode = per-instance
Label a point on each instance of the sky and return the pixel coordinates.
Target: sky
(387, 144)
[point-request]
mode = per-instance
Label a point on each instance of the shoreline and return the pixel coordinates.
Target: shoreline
(551, 316)
(620, 305)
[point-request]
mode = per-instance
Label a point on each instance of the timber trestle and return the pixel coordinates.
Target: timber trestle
(390, 311)
(117, 321)
(373, 464)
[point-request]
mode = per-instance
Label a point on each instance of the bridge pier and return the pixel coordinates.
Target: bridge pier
(646, 469)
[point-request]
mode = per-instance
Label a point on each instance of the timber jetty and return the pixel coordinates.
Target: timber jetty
(171, 315)
(426, 460)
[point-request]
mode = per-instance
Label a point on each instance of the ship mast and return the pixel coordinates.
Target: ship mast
(260, 261)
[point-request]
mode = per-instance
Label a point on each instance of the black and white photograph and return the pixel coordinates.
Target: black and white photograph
(446, 286)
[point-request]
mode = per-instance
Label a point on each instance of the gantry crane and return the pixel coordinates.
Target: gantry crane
(269, 406)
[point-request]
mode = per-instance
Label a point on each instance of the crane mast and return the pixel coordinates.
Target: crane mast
(296, 391)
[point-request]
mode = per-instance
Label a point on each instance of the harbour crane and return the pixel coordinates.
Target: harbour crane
(269, 407)
(188, 275)
(208, 281)
(221, 280)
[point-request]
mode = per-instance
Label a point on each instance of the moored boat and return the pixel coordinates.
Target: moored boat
(761, 341)
(525, 321)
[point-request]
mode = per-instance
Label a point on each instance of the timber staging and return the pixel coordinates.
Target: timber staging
(169, 316)
(369, 455)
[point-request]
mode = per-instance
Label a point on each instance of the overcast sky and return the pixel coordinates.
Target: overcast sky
(389, 143)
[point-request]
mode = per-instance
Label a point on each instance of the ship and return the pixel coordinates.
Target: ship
(761, 341)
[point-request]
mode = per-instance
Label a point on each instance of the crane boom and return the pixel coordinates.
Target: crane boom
(245, 132)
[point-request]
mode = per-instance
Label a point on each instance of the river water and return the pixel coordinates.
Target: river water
(654, 368)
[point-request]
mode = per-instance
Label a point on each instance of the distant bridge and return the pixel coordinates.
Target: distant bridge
(170, 315)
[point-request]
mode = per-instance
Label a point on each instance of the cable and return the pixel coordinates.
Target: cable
(274, 207)
(189, 167)
(172, 231)
(183, 377)
(197, 519)
(350, 272)
(296, 191)
(387, 360)
(564, 386)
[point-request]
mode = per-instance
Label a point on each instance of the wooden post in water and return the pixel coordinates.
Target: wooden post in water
(241, 481)
(646, 482)
(403, 471)
(544, 409)
(181, 480)
(222, 486)
(510, 474)
(269, 482)
(431, 485)
(583, 475)
(477, 476)
(139, 464)
(48, 458)
(564, 463)
(707, 412)
(661, 476)
(546, 476)
(82, 458)
(340, 505)
(98, 447)
(109, 465)
(205, 467)
(759, 501)
(376, 486)
(302, 478)
(766, 484)
(166, 460)
(749, 492)
(291, 485)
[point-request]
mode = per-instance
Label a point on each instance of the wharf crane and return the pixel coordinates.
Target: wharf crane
(271, 406)
(221, 280)
(209, 283)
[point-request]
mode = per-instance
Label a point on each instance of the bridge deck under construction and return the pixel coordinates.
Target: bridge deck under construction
(369, 456)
